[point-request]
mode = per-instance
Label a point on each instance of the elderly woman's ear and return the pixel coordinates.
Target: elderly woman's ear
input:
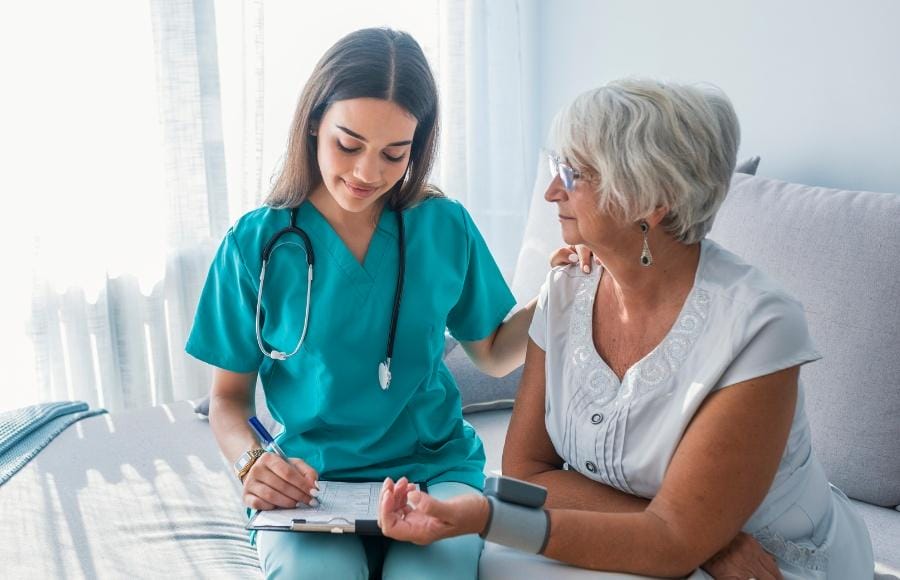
(655, 218)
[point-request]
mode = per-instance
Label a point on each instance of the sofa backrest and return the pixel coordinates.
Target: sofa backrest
(838, 252)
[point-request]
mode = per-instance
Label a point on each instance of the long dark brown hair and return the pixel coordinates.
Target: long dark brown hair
(376, 63)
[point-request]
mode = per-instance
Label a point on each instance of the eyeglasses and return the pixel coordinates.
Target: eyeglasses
(567, 174)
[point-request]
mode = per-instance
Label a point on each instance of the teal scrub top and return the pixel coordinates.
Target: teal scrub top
(336, 417)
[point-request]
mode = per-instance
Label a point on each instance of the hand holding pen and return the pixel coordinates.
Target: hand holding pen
(276, 481)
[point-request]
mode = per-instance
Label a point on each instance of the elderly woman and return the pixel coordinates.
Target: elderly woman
(660, 403)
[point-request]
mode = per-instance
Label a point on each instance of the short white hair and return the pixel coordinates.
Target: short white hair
(652, 144)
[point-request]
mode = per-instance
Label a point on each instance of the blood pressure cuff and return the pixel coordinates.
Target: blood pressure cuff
(519, 527)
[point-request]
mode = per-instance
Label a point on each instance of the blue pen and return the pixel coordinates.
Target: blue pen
(270, 443)
(266, 437)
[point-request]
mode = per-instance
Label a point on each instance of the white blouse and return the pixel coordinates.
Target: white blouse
(736, 324)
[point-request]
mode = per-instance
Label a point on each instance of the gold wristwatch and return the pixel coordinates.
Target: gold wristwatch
(245, 462)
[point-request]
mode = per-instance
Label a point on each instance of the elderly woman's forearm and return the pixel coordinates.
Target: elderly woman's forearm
(637, 543)
(571, 490)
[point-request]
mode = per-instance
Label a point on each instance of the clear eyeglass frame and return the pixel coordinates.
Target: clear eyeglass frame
(566, 173)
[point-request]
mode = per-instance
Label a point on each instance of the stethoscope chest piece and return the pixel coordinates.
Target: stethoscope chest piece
(384, 374)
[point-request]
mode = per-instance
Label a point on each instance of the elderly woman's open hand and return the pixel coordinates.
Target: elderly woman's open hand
(410, 515)
(743, 558)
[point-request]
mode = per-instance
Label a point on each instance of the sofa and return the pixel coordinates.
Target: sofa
(146, 494)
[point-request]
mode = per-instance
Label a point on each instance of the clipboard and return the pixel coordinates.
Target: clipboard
(344, 508)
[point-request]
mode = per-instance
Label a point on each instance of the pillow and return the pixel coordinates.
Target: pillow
(831, 249)
(542, 237)
(748, 165)
(481, 392)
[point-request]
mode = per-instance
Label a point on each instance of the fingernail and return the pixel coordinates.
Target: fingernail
(586, 268)
(573, 258)
(313, 502)
(316, 485)
(314, 492)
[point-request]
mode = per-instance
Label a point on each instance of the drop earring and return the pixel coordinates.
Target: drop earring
(646, 257)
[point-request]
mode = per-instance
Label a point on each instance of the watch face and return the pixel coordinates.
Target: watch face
(247, 459)
(242, 461)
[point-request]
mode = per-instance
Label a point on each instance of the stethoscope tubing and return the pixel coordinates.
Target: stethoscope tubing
(310, 261)
(384, 373)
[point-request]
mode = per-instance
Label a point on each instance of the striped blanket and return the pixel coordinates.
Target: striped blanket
(24, 432)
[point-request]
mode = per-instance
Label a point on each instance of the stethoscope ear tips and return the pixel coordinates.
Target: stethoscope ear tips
(384, 375)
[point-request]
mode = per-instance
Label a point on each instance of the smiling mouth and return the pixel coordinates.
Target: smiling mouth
(359, 191)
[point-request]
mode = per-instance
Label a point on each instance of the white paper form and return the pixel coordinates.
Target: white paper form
(337, 501)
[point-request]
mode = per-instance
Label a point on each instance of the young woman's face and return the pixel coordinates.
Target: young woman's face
(363, 150)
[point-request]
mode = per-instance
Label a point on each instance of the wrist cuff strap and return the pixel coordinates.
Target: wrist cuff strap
(526, 529)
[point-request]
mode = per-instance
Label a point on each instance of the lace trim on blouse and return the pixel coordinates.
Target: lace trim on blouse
(599, 399)
(777, 545)
(648, 373)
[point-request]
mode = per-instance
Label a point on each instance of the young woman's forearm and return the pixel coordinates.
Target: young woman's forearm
(229, 410)
(504, 351)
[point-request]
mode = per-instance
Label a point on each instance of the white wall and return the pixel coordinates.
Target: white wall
(816, 84)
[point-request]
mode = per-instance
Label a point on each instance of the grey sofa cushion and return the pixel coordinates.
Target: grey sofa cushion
(142, 493)
(491, 427)
(836, 252)
(884, 527)
(481, 392)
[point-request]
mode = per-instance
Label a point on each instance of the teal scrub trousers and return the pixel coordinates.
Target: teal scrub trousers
(301, 556)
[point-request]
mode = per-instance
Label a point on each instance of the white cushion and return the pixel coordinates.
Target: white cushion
(542, 237)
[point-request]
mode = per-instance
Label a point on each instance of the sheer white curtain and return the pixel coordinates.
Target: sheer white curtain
(138, 132)
(122, 192)
(84, 179)
(487, 70)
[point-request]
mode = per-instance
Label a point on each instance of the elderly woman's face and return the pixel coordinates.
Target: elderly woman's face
(579, 215)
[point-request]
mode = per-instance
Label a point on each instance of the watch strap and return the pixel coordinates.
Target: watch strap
(252, 456)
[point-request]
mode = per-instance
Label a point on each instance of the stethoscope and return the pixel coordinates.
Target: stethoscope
(384, 368)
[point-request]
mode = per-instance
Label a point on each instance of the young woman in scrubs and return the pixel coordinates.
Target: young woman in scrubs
(361, 146)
